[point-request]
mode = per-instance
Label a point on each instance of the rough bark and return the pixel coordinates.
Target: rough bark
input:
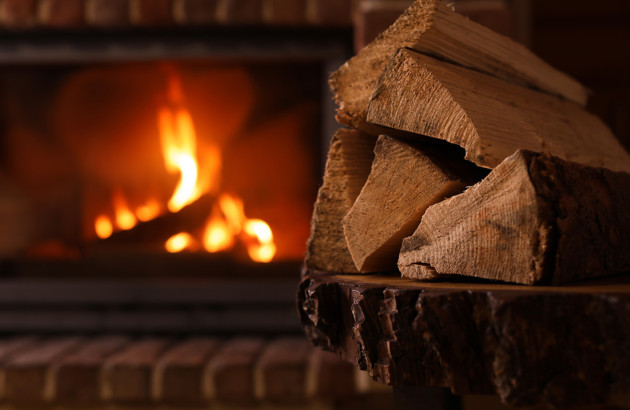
(534, 219)
(490, 118)
(432, 28)
(404, 181)
(559, 346)
(347, 167)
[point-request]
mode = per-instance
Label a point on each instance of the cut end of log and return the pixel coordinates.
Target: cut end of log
(535, 219)
(354, 81)
(491, 231)
(404, 181)
(430, 27)
(488, 117)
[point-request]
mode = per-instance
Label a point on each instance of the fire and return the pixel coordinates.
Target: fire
(125, 219)
(179, 242)
(217, 235)
(232, 222)
(103, 227)
(227, 222)
(150, 210)
(180, 154)
(234, 211)
(263, 250)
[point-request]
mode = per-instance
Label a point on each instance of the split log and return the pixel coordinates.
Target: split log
(535, 219)
(432, 28)
(405, 180)
(347, 168)
(489, 117)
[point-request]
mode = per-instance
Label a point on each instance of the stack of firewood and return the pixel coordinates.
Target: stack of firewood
(466, 154)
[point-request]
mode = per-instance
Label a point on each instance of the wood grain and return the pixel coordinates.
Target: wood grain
(432, 28)
(404, 181)
(535, 219)
(347, 168)
(490, 118)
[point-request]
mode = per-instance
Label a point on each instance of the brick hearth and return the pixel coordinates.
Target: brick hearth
(107, 370)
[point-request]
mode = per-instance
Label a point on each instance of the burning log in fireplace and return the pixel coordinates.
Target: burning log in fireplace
(433, 75)
(181, 158)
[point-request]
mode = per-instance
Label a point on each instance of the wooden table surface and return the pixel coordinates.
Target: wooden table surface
(556, 345)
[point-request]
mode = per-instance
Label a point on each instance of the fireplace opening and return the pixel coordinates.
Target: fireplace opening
(185, 167)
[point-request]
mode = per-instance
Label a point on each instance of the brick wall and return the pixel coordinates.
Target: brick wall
(28, 14)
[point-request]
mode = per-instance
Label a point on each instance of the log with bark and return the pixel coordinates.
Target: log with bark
(535, 219)
(347, 168)
(158, 230)
(432, 28)
(561, 346)
(489, 117)
(404, 181)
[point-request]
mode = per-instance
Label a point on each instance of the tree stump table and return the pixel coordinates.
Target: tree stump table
(559, 346)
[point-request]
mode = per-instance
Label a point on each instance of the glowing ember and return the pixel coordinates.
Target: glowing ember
(103, 227)
(221, 232)
(148, 211)
(179, 242)
(125, 219)
(217, 236)
(263, 250)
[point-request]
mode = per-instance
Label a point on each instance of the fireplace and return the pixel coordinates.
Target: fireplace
(138, 161)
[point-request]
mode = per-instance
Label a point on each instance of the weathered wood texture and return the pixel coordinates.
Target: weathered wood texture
(404, 181)
(347, 168)
(561, 346)
(489, 117)
(535, 219)
(432, 28)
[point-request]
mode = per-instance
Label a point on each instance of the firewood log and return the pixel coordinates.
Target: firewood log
(347, 168)
(432, 28)
(534, 219)
(405, 180)
(489, 117)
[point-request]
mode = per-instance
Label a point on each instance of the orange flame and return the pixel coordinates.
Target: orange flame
(125, 219)
(220, 231)
(234, 211)
(179, 146)
(227, 221)
(150, 210)
(103, 227)
(179, 242)
(217, 236)
(263, 249)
